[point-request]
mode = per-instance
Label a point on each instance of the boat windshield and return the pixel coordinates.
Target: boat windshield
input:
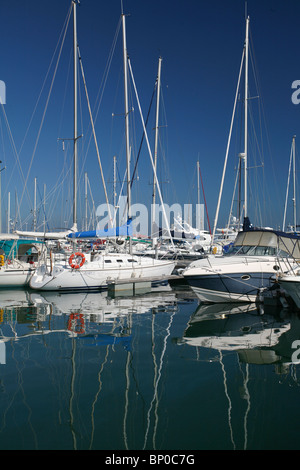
(250, 250)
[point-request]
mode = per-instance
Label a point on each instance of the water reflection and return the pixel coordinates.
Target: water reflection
(256, 334)
(255, 337)
(81, 370)
(88, 371)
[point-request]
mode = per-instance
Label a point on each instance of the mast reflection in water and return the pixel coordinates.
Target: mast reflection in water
(155, 371)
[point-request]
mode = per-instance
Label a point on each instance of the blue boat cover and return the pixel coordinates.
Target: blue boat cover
(123, 231)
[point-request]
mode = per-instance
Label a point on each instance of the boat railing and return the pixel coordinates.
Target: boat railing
(288, 264)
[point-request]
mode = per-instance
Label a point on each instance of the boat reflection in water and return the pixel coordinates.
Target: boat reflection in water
(90, 360)
(245, 328)
(222, 332)
(88, 371)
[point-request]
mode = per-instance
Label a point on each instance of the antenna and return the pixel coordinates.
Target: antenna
(246, 10)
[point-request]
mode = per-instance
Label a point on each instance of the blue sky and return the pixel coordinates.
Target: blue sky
(201, 44)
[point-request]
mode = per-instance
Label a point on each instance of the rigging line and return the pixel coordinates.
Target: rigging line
(233, 196)
(150, 154)
(46, 106)
(267, 138)
(2, 140)
(143, 136)
(15, 152)
(104, 79)
(48, 71)
(56, 192)
(227, 149)
(204, 200)
(92, 198)
(41, 206)
(256, 79)
(95, 139)
(63, 176)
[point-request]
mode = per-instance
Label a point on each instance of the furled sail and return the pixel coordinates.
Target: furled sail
(122, 231)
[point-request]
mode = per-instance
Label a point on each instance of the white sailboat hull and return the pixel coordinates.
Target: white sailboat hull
(98, 274)
(16, 275)
(14, 279)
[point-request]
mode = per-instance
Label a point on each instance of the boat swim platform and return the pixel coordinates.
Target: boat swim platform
(135, 286)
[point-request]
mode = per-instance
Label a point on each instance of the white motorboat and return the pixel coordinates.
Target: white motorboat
(247, 269)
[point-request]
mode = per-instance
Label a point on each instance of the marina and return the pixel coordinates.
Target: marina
(89, 371)
(130, 319)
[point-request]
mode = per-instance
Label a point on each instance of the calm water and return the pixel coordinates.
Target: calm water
(158, 372)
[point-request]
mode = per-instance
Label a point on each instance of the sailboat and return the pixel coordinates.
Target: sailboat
(86, 270)
(248, 266)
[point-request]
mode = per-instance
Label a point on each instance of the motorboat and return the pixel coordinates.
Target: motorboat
(248, 268)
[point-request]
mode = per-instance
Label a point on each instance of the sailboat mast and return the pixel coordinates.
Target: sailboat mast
(44, 208)
(8, 213)
(156, 144)
(246, 119)
(127, 122)
(75, 117)
(34, 207)
(294, 176)
(115, 186)
(198, 225)
(86, 199)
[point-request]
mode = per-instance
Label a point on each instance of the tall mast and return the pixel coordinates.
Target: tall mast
(127, 123)
(115, 186)
(34, 207)
(75, 116)
(294, 176)
(86, 199)
(8, 213)
(156, 142)
(246, 118)
(198, 225)
(44, 208)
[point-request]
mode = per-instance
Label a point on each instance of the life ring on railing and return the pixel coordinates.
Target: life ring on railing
(74, 263)
(76, 323)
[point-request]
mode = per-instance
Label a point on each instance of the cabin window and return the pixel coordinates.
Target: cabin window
(107, 261)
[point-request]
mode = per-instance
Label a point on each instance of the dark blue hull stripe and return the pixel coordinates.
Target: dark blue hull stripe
(233, 284)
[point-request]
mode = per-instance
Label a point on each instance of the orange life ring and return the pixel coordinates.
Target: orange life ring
(75, 264)
(76, 323)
